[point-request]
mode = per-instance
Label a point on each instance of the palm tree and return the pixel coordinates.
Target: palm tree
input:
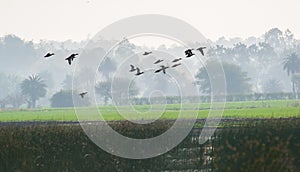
(292, 65)
(296, 80)
(34, 87)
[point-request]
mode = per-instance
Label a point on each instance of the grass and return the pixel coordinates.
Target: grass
(245, 109)
(241, 145)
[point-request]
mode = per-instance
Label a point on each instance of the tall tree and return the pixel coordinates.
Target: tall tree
(291, 64)
(236, 79)
(118, 88)
(16, 99)
(67, 83)
(290, 41)
(275, 38)
(109, 66)
(10, 90)
(35, 88)
(16, 52)
(272, 86)
(239, 53)
(263, 58)
(104, 90)
(296, 80)
(4, 85)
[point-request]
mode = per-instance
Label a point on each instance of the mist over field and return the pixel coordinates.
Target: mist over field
(153, 85)
(259, 59)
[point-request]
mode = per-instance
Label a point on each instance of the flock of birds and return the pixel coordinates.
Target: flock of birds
(70, 59)
(189, 53)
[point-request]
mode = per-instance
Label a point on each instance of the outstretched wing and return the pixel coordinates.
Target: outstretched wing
(201, 50)
(175, 60)
(176, 64)
(146, 53)
(157, 71)
(83, 94)
(132, 67)
(69, 60)
(137, 70)
(158, 61)
(49, 55)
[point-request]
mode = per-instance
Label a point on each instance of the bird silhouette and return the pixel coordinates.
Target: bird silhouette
(138, 72)
(158, 61)
(49, 55)
(176, 60)
(189, 52)
(163, 68)
(158, 70)
(132, 69)
(201, 50)
(147, 53)
(176, 64)
(83, 94)
(71, 58)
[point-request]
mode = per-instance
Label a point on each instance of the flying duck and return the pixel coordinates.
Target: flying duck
(163, 68)
(132, 69)
(83, 94)
(201, 50)
(176, 60)
(71, 58)
(147, 53)
(138, 72)
(158, 61)
(49, 55)
(176, 64)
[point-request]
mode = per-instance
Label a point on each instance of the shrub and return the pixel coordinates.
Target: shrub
(64, 98)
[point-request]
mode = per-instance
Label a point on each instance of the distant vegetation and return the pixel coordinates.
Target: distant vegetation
(259, 130)
(35, 88)
(233, 75)
(64, 98)
(256, 65)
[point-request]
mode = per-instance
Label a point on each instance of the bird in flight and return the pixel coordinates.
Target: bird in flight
(147, 53)
(49, 55)
(71, 58)
(138, 72)
(158, 70)
(176, 64)
(158, 61)
(201, 50)
(132, 68)
(163, 68)
(83, 94)
(189, 52)
(176, 60)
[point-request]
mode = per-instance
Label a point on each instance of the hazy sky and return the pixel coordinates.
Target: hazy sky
(76, 19)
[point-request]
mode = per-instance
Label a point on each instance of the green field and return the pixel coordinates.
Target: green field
(247, 144)
(245, 109)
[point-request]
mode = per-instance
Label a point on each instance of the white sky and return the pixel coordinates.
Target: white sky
(76, 19)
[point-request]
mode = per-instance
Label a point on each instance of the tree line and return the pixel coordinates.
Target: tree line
(264, 65)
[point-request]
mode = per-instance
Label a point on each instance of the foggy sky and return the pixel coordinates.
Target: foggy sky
(76, 19)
